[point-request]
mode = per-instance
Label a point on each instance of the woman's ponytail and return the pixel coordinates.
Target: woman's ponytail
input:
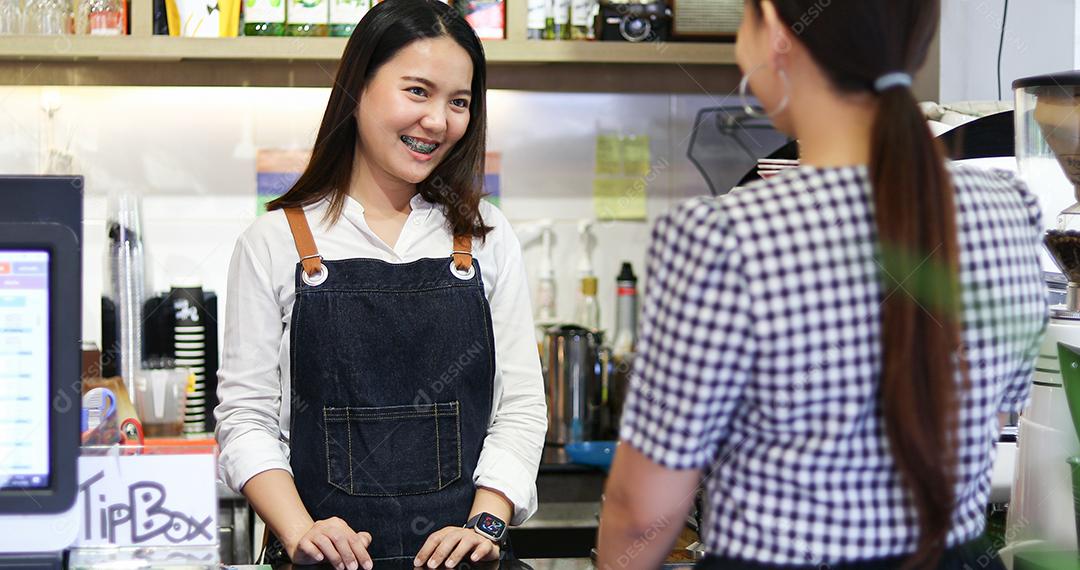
(872, 46)
(915, 214)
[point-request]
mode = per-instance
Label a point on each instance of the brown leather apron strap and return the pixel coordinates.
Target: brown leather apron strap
(312, 261)
(463, 252)
(305, 243)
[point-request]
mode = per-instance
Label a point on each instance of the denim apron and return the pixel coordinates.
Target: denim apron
(393, 368)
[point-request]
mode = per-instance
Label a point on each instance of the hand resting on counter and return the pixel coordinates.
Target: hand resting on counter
(332, 540)
(454, 545)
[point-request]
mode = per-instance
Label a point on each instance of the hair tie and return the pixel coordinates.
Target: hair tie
(890, 80)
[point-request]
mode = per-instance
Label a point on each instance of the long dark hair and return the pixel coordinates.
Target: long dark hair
(855, 43)
(456, 183)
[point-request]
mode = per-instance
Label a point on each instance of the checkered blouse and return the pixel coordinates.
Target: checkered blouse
(760, 354)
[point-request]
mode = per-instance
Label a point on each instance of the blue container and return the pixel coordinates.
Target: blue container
(593, 453)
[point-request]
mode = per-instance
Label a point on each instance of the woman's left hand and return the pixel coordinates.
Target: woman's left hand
(453, 545)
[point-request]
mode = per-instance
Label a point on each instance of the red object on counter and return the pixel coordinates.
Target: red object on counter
(176, 445)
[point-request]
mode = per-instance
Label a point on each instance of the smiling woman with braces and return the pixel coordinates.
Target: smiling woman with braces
(390, 268)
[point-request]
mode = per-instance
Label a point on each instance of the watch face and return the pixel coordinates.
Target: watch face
(491, 525)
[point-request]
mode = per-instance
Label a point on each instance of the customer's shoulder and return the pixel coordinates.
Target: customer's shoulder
(971, 177)
(695, 212)
(976, 184)
(696, 226)
(786, 188)
(741, 204)
(772, 198)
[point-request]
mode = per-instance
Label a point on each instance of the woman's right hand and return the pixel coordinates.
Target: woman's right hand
(332, 541)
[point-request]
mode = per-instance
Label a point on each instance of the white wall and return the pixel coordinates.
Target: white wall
(190, 153)
(1041, 37)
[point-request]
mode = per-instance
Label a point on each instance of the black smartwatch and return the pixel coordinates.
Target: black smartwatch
(489, 526)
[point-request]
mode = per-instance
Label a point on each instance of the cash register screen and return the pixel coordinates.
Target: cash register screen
(24, 369)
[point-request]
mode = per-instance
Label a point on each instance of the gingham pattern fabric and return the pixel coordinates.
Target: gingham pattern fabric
(760, 355)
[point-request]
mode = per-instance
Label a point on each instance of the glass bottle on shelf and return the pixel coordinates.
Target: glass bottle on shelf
(60, 17)
(582, 18)
(80, 24)
(561, 20)
(10, 17)
(44, 17)
(31, 20)
(307, 17)
(537, 18)
(32, 14)
(345, 14)
(264, 17)
(106, 18)
(549, 20)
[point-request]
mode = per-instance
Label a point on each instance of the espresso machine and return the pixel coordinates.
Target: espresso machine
(1048, 154)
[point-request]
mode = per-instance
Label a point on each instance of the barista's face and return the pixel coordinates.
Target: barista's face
(415, 109)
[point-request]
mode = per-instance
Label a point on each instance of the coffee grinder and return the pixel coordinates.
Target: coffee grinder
(1048, 156)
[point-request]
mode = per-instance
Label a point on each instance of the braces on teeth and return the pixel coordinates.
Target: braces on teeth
(423, 148)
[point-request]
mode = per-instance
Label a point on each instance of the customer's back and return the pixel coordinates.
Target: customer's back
(805, 453)
(829, 348)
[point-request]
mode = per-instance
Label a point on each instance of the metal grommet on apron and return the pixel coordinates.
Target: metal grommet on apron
(319, 276)
(463, 275)
(393, 369)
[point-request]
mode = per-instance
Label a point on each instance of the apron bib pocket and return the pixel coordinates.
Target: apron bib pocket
(390, 451)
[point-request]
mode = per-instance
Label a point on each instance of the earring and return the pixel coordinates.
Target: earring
(744, 88)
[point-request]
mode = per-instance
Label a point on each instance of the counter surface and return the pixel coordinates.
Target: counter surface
(533, 564)
(564, 515)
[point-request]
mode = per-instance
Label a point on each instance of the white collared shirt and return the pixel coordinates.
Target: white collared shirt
(254, 381)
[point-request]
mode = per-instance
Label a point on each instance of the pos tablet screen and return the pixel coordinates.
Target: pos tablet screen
(39, 367)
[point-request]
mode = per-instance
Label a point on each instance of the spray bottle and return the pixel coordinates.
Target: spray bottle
(546, 308)
(588, 312)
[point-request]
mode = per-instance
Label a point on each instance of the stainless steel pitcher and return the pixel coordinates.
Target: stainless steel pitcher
(576, 371)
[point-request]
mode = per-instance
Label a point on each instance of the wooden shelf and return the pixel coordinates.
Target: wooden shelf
(264, 49)
(311, 62)
(143, 59)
